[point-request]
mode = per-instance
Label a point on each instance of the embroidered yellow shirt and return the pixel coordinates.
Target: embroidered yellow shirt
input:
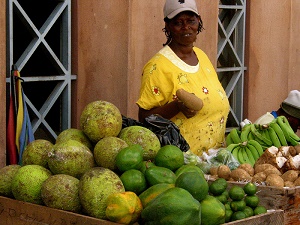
(165, 73)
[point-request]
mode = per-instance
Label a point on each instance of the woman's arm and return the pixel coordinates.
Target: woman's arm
(167, 111)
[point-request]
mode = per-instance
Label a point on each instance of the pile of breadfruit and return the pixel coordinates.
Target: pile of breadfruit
(278, 167)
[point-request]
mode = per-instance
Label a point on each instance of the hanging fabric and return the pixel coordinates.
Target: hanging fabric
(19, 129)
(11, 127)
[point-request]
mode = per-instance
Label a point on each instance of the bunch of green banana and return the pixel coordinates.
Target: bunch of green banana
(290, 136)
(233, 137)
(246, 152)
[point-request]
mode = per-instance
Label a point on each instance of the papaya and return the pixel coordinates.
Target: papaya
(158, 174)
(174, 206)
(212, 211)
(152, 192)
(188, 168)
(194, 183)
(123, 207)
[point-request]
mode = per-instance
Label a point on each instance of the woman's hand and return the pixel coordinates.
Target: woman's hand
(186, 111)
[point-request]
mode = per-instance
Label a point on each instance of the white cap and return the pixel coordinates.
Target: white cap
(291, 105)
(174, 7)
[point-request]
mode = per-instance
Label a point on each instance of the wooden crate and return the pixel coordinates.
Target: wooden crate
(286, 199)
(275, 217)
(13, 212)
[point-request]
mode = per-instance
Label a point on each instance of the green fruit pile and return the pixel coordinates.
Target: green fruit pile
(240, 202)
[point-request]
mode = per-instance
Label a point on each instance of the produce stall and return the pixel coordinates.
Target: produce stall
(121, 172)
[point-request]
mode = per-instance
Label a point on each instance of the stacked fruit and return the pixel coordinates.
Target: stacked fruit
(248, 144)
(240, 202)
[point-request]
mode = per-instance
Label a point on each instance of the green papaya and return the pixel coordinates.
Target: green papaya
(174, 206)
(213, 211)
(158, 174)
(188, 168)
(152, 192)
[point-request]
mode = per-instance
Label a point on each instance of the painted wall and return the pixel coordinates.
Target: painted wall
(112, 40)
(273, 54)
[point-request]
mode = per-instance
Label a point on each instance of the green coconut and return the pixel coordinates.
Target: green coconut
(27, 183)
(36, 153)
(106, 150)
(94, 188)
(60, 191)
(144, 137)
(100, 119)
(6, 176)
(74, 134)
(70, 157)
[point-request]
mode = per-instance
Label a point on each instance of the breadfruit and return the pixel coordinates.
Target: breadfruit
(100, 119)
(60, 191)
(74, 134)
(27, 183)
(144, 137)
(36, 153)
(94, 188)
(106, 150)
(6, 176)
(71, 157)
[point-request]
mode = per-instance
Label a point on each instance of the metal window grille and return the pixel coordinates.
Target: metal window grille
(39, 44)
(230, 57)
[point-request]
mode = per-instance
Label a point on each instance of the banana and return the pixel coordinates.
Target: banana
(235, 151)
(231, 147)
(259, 137)
(250, 156)
(255, 153)
(245, 132)
(257, 146)
(235, 136)
(228, 140)
(245, 156)
(293, 142)
(264, 131)
(290, 129)
(251, 136)
(274, 137)
(240, 155)
(279, 133)
(284, 128)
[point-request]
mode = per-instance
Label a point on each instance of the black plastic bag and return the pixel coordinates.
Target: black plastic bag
(127, 122)
(167, 132)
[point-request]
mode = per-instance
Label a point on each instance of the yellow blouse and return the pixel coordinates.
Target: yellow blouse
(165, 73)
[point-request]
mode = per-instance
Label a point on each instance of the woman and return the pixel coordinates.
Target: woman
(181, 65)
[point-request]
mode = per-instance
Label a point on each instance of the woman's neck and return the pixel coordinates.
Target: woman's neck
(185, 53)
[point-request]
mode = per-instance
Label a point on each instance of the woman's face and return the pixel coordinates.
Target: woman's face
(184, 28)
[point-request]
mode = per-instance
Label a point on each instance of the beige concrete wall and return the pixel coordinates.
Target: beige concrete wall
(273, 56)
(112, 40)
(112, 46)
(2, 83)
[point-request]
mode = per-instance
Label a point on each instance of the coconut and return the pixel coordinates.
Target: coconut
(27, 183)
(6, 176)
(36, 153)
(94, 188)
(100, 119)
(106, 150)
(71, 157)
(74, 134)
(60, 191)
(144, 137)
